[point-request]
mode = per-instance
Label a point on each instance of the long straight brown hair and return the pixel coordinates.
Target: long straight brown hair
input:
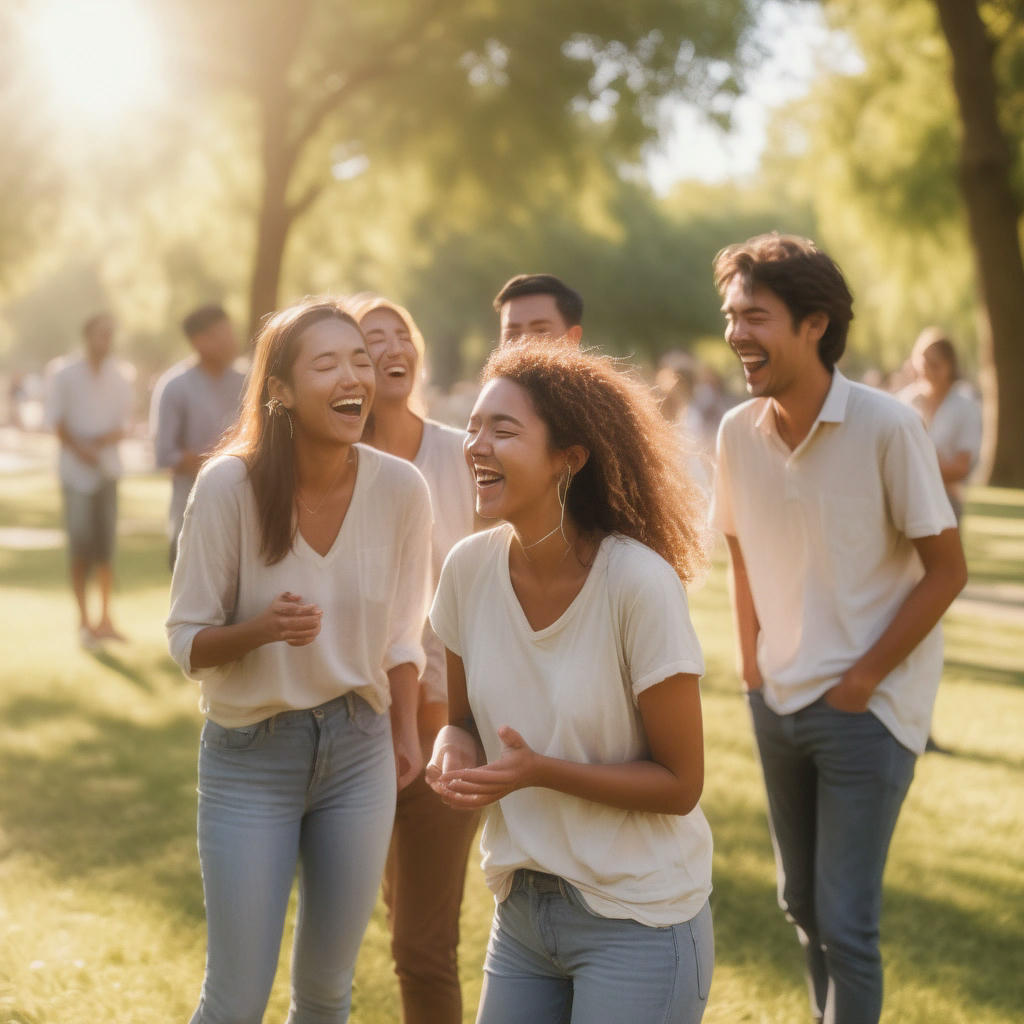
(263, 440)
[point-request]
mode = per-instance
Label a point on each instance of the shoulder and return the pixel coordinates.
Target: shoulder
(963, 398)
(175, 380)
(389, 471)
(743, 416)
(869, 406)
(633, 566)
(444, 436)
(480, 548)
(222, 475)
(122, 369)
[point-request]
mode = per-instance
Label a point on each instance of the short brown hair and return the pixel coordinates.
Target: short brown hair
(806, 279)
(634, 482)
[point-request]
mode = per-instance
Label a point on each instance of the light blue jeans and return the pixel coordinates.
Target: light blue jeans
(310, 788)
(551, 960)
(835, 782)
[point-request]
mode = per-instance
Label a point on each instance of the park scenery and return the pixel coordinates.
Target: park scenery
(175, 171)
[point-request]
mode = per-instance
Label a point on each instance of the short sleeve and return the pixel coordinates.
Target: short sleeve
(969, 429)
(165, 424)
(204, 587)
(658, 638)
(721, 513)
(444, 612)
(917, 499)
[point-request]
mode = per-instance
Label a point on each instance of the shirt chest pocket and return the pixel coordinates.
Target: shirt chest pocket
(376, 574)
(849, 528)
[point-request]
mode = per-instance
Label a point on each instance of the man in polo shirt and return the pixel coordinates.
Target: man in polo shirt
(89, 406)
(845, 554)
(539, 306)
(193, 403)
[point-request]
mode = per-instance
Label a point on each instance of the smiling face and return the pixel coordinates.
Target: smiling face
(776, 355)
(534, 316)
(508, 450)
(393, 352)
(332, 383)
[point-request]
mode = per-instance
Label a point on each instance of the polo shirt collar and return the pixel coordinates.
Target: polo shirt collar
(833, 410)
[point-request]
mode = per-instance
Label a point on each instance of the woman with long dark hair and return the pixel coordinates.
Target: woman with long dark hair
(574, 708)
(297, 602)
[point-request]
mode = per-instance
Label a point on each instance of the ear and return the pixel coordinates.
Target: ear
(574, 334)
(277, 388)
(576, 455)
(817, 325)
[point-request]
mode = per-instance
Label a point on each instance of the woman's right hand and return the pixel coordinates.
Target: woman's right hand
(288, 619)
(454, 749)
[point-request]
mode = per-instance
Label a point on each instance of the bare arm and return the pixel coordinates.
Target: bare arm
(744, 616)
(669, 782)
(945, 573)
(457, 745)
(405, 689)
(955, 469)
(287, 619)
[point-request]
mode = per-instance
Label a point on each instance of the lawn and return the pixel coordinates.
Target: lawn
(101, 914)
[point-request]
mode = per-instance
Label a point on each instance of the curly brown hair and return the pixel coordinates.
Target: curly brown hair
(634, 481)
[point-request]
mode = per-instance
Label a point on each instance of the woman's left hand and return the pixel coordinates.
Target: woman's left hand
(516, 768)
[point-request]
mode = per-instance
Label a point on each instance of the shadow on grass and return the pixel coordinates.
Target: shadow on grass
(969, 954)
(975, 672)
(119, 798)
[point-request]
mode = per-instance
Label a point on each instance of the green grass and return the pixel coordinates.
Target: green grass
(101, 914)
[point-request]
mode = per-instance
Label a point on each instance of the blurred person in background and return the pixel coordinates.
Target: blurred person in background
(298, 602)
(193, 403)
(89, 406)
(538, 306)
(426, 868)
(948, 408)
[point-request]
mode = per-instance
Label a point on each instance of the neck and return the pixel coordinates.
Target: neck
(214, 367)
(94, 361)
(320, 466)
(544, 541)
(798, 406)
(396, 430)
(937, 391)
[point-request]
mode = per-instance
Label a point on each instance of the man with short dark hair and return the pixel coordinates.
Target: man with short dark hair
(193, 403)
(89, 406)
(539, 306)
(844, 554)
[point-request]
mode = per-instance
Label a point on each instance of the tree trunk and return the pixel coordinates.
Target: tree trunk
(993, 215)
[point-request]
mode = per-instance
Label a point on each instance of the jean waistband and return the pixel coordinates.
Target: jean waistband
(538, 881)
(346, 703)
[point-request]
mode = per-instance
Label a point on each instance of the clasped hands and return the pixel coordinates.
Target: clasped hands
(457, 771)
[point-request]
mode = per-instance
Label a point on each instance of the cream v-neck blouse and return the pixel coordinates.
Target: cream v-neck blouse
(373, 586)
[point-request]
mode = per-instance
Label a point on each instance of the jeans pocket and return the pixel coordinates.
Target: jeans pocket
(244, 737)
(368, 721)
(702, 938)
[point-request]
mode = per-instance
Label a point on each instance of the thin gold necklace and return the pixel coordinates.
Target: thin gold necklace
(327, 493)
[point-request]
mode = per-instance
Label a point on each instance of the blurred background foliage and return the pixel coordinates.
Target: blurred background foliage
(429, 150)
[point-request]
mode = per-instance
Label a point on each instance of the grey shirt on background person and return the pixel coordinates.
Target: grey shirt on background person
(191, 409)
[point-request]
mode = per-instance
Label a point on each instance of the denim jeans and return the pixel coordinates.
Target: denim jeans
(551, 960)
(310, 788)
(835, 782)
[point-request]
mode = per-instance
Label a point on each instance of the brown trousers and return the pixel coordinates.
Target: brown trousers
(423, 883)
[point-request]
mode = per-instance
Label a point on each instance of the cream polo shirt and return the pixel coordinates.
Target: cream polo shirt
(373, 586)
(826, 532)
(90, 403)
(453, 497)
(570, 690)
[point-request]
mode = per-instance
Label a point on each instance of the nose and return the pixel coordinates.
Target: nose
(476, 444)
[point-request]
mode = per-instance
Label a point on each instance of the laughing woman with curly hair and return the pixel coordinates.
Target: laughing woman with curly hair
(574, 707)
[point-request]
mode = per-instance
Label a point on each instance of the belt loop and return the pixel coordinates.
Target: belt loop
(350, 704)
(271, 723)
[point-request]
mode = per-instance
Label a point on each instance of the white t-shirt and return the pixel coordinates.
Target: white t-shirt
(453, 497)
(570, 690)
(955, 427)
(825, 531)
(90, 403)
(373, 586)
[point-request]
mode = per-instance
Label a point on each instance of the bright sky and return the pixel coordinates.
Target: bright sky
(798, 44)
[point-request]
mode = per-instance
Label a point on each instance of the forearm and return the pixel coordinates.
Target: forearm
(405, 692)
(631, 786)
(744, 617)
(916, 617)
(217, 645)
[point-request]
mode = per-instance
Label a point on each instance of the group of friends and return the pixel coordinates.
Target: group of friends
(398, 626)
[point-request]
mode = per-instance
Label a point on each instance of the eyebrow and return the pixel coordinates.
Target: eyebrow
(745, 309)
(498, 417)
